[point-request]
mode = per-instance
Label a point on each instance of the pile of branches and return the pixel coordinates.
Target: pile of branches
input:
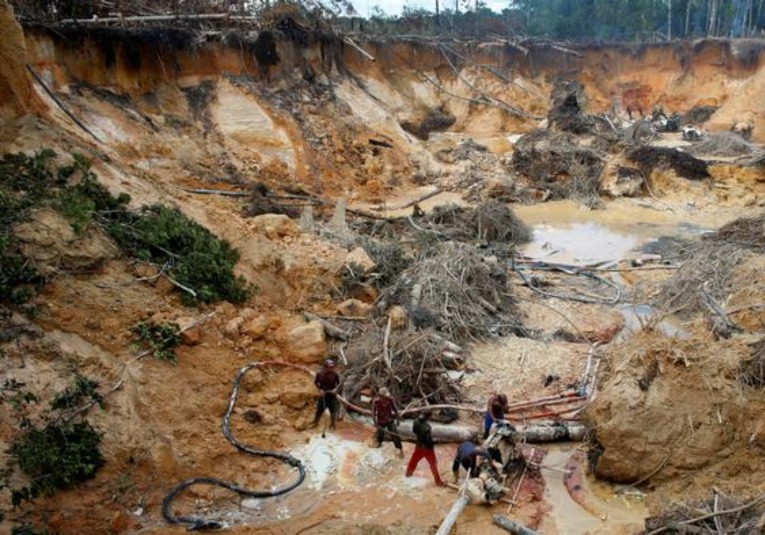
(707, 265)
(492, 221)
(459, 293)
(413, 365)
(718, 514)
(726, 144)
(706, 269)
(745, 232)
(554, 161)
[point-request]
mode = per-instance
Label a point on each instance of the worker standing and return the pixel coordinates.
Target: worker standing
(385, 415)
(424, 448)
(327, 380)
(495, 412)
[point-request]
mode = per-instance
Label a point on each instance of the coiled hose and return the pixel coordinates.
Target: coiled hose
(201, 524)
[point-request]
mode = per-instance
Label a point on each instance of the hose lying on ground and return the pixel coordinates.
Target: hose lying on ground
(198, 524)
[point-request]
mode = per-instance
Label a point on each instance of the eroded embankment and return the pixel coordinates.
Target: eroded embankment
(165, 112)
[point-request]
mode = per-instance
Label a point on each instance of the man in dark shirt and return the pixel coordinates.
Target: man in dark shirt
(327, 381)
(467, 456)
(385, 415)
(495, 413)
(424, 448)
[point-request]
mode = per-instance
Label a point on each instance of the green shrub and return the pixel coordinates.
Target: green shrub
(57, 456)
(161, 339)
(195, 257)
(189, 253)
(80, 392)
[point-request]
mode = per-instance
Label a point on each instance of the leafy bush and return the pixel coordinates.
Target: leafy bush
(161, 339)
(56, 457)
(195, 257)
(82, 390)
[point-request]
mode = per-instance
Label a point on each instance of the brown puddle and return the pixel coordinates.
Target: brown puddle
(566, 232)
(610, 513)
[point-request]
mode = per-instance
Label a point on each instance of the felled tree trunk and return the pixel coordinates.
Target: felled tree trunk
(513, 527)
(451, 518)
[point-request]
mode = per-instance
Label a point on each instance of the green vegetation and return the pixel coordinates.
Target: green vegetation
(58, 456)
(81, 391)
(584, 20)
(12, 392)
(161, 339)
(195, 259)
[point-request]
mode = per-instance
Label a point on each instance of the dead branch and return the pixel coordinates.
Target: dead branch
(225, 193)
(331, 330)
(60, 104)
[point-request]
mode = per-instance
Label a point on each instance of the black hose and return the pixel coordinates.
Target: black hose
(201, 524)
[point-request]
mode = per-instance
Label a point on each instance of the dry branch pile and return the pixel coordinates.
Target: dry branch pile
(492, 221)
(554, 161)
(460, 292)
(725, 144)
(746, 232)
(413, 366)
(719, 514)
(708, 266)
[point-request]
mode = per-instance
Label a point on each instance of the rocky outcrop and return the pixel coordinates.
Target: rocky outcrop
(51, 244)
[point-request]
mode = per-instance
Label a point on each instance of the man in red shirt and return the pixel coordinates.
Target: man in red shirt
(385, 415)
(327, 381)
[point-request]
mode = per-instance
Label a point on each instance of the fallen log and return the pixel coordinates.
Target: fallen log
(442, 433)
(331, 330)
(551, 432)
(512, 526)
(451, 518)
(535, 433)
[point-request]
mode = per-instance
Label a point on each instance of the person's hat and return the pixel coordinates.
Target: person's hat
(329, 363)
(384, 392)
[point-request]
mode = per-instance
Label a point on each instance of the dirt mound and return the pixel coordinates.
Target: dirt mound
(432, 120)
(48, 241)
(554, 161)
(649, 158)
(667, 406)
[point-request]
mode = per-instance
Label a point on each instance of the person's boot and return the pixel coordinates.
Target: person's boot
(400, 453)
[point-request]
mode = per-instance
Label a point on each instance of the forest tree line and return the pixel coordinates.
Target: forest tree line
(582, 20)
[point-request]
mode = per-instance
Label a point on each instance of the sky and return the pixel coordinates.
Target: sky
(394, 7)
